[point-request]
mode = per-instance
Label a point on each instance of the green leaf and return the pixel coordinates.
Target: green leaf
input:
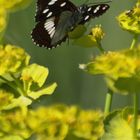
(85, 41)
(77, 32)
(45, 91)
(124, 85)
(119, 125)
(110, 116)
(118, 129)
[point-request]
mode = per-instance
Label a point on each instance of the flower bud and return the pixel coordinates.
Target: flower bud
(97, 33)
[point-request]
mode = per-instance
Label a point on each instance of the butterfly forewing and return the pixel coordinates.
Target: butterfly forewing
(93, 11)
(98, 10)
(50, 8)
(44, 31)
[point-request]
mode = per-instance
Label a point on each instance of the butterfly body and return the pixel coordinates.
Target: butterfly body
(55, 18)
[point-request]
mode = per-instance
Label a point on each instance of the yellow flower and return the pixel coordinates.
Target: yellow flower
(12, 59)
(13, 123)
(5, 98)
(97, 33)
(130, 20)
(60, 121)
(121, 69)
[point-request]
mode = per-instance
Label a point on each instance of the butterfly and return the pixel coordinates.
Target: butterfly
(56, 18)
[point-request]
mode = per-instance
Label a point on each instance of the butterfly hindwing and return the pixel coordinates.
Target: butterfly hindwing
(62, 27)
(43, 32)
(52, 31)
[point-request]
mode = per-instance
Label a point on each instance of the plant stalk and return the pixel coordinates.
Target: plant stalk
(12, 85)
(109, 94)
(108, 101)
(100, 47)
(134, 41)
(135, 122)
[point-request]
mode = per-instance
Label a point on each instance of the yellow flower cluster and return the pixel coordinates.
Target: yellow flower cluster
(118, 68)
(57, 122)
(5, 98)
(116, 64)
(18, 77)
(12, 59)
(13, 124)
(130, 20)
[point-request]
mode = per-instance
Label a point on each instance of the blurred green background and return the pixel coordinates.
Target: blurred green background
(74, 85)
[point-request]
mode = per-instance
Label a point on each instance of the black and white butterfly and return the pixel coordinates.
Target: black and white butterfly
(55, 18)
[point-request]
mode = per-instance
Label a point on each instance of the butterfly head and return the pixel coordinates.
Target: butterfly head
(82, 8)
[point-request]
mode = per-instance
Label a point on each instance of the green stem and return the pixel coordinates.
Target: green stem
(134, 41)
(135, 123)
(100, 47)
(109, 94)
(12, 85)
(19, 85)
(108, 101)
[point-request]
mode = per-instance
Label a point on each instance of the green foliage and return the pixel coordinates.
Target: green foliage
(91, 40)
(119, 125)
(77, 32)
